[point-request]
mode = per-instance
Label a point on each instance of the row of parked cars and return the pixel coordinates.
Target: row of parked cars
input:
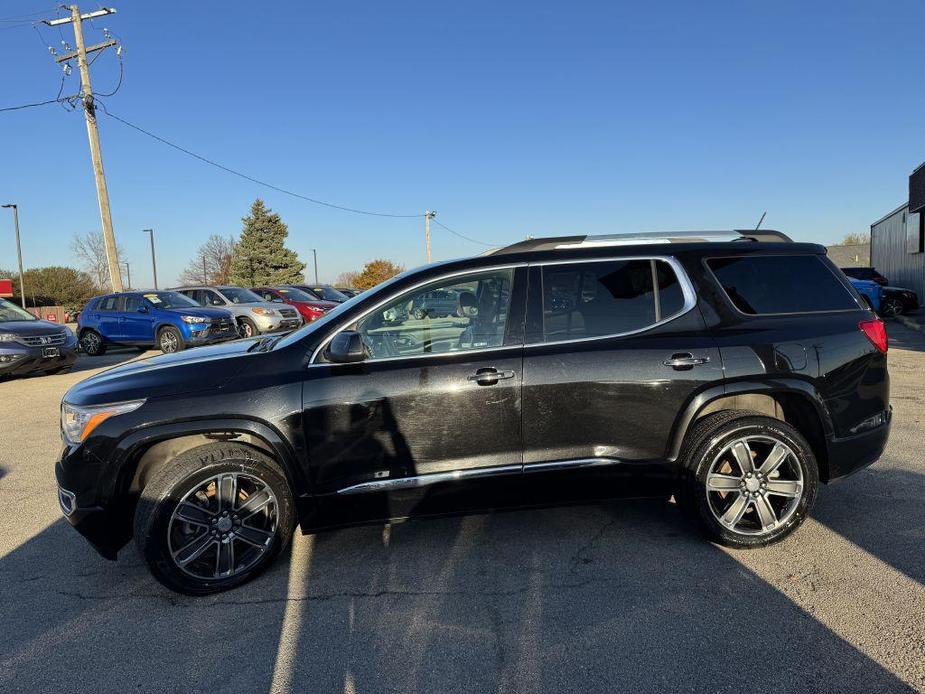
(170, 320)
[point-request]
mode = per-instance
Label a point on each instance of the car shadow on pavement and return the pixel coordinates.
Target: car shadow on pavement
(112, 357)
(615, 596)
(881, 511)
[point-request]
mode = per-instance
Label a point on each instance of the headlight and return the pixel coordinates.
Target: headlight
(8, 337)
(78, 422)
(194, 319)
(264, 311)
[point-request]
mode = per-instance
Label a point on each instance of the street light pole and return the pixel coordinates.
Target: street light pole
(315, 254)
(22, 281)
(153, 259)
(128, 273)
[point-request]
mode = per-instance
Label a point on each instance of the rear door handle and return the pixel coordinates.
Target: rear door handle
(489, 376)
(682, 361)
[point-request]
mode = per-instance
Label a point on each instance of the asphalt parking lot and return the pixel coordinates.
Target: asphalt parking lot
(622, 596)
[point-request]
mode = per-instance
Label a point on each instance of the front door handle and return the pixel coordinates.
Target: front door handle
(489, 376)
(683, 361)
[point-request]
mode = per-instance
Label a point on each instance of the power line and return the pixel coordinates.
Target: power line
(251, 178)
(39, 103)
(462, 236)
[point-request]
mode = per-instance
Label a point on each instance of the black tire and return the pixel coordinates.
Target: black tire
(167, 487)
(706, 442)
(247, 328)
(92, 343)
(169, 340)
(891, 307)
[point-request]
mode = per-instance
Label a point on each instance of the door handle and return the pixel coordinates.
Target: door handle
(683, 361)
(489, 376)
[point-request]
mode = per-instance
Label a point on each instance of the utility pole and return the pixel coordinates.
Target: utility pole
(153, 259)
(92, 132)
(428, 215)
(22, 281)
(315, 254)
(128, 272)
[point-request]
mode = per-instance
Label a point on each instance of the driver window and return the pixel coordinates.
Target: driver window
(451, 315)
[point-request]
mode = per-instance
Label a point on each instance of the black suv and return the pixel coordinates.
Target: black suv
(741, 368)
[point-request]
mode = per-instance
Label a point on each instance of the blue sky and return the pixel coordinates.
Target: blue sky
(507, 118)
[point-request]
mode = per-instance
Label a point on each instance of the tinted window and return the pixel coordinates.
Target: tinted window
(132, 303)
(108, 303)
(412, 325)
(296, 294)
(607, 298)
(169, 300)
(781, 284)
(328, 294)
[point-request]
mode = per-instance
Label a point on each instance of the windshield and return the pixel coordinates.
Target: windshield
(238, 295)
(295, 294)
(170, 300)
(11, 312)
(329, 294)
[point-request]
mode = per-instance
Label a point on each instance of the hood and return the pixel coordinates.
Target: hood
(198, 369)
(31, 327)
(213, 313)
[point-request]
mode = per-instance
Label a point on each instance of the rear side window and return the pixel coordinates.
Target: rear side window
(607, 298)
(770, 284)
(108, 303)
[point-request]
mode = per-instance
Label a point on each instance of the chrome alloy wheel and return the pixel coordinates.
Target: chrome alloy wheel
(223, 526)
(91, 342)
(169, 342)
(754, 485)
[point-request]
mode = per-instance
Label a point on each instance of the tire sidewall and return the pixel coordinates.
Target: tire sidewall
(247, 323)
(100, 348)
(703, 457)
(176, 333)
(152, 536)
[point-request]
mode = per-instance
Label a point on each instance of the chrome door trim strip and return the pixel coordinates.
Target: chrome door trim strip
(426, 480)
(388, 485)
(555, 465)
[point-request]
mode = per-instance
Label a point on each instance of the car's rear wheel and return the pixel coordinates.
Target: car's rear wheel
(246, 327)
(748, 480)
(169, 340)
(214, 518)
(92, 343)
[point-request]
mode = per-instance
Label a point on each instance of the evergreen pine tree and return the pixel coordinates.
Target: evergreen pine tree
(260, 255)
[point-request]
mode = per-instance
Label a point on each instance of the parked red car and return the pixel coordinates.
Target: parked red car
(308, 306)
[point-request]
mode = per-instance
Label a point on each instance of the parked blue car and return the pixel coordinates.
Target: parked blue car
(870, 290)
(167, 320)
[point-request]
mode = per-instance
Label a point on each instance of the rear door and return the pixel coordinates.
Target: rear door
(615, 349)
(109, 323)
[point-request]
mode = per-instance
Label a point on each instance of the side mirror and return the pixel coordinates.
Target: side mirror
(346, 348)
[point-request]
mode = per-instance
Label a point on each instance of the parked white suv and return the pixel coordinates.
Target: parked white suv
(253, 315)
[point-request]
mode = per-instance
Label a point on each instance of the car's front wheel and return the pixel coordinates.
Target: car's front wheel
(748, 480)
(169, 340)
(891, 307)
(247, 327)
(213, 518)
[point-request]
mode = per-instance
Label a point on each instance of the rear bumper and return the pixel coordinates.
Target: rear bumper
(852, 453)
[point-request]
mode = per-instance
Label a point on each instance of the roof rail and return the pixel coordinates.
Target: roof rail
(552, 243)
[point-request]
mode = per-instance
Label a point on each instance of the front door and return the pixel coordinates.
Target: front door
(436, 398)
(137, 325)
(615, 350)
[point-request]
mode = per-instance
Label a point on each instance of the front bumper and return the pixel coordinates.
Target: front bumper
(19, 360)
(275, 325)
(853, 453)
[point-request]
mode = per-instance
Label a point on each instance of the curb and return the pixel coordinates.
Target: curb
(911, 323)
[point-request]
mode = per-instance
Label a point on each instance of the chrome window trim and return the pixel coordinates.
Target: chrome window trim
(395, 295)
(687, 289)
(414, 481)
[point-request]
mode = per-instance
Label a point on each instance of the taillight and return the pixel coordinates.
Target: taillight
(875, 330)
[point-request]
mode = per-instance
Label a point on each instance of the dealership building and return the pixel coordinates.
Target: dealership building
(897, 241)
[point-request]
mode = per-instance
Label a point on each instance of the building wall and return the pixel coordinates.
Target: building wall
(850, 255)
(889, 252)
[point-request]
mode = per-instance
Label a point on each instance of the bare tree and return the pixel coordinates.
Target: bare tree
(855, 239)
(90, 249)
(346, 279)
(212, 262)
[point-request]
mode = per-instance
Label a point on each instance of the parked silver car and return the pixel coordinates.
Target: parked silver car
(253, 314)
